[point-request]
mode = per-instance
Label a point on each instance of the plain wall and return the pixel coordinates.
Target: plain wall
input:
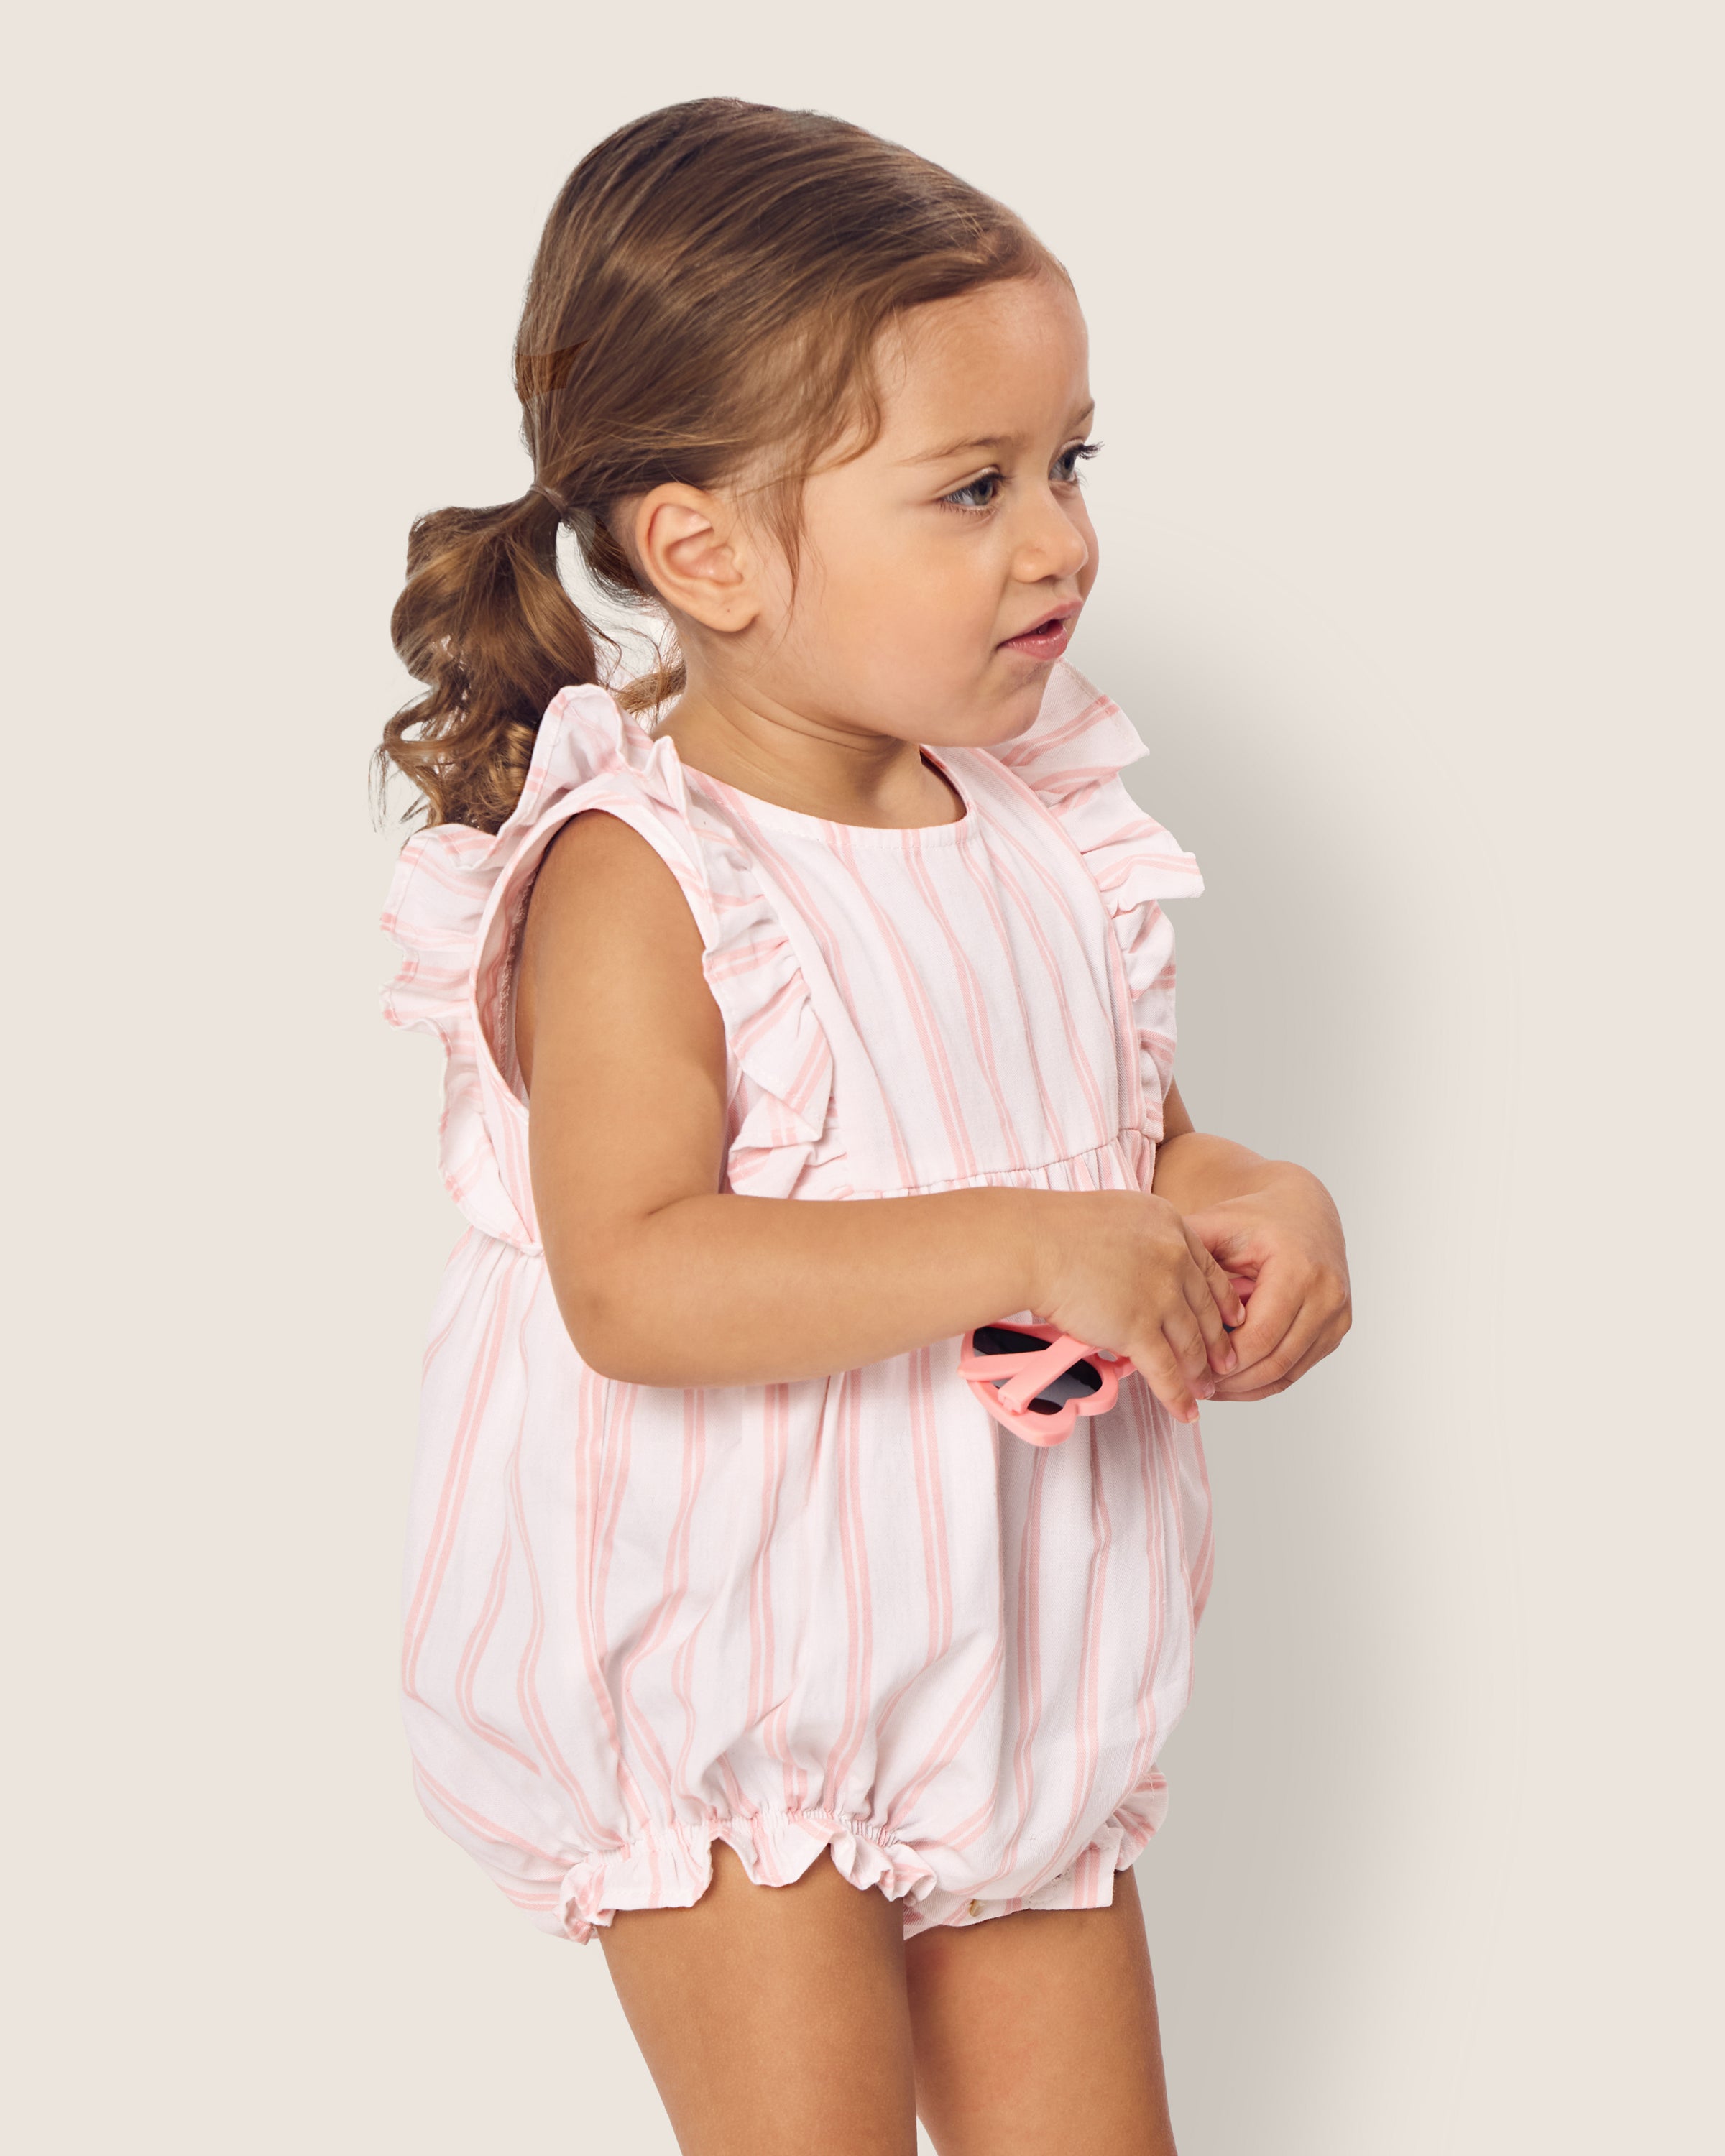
(1407, 338)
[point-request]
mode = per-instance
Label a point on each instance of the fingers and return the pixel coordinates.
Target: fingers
(1216, 1342)
(1192, 1347)
(1175, 1360)
(1276, 1297)
(1209, 1341)
(1180, 1360)
(1226, 1297)
(1274, 1374)
(1299, 1309)
(1317, 1329)
(1260, 1375)
(1212, 1342)
(1165, 1373)
(1238, 1242)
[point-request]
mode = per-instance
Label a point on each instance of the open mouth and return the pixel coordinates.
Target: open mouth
(1047, 639)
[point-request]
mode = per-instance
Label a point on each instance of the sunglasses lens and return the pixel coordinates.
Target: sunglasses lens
(1077, 1384)
(1002, 1340)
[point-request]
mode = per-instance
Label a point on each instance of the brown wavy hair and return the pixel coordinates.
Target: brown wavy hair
(707, 296)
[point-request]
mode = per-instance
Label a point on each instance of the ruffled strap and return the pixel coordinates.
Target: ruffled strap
(1072, 759)
(456, 906)
(782, 1138)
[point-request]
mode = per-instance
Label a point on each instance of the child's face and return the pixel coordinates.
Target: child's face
(942, 571)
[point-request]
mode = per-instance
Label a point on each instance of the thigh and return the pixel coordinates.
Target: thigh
(1035, 2035)
(772, 2018)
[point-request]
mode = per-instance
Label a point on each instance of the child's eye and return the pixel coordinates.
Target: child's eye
(979, 493)
(1065, 468)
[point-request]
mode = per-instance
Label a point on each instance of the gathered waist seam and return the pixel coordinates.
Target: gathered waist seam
(1125, 1142)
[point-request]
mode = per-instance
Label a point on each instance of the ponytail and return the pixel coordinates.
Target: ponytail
(486, 624)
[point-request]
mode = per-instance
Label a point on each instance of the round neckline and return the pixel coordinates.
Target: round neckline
(799, 820)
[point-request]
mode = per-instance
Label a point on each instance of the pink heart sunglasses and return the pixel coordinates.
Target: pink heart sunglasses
(1036, 1380)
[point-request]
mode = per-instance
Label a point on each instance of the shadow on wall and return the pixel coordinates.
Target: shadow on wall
(1332, 979)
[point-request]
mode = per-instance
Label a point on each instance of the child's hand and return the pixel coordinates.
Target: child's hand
(1123, 1271)
(1287, 1237)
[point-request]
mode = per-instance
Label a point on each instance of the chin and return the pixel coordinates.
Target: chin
(978, 714)
(1015, 714)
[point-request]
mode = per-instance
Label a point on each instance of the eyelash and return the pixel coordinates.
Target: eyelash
(1079, 452)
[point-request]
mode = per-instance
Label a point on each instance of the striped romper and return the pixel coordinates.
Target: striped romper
(850, 1613)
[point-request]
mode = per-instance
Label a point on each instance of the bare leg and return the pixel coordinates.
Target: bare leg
(772, 2018)
(1036, 2034)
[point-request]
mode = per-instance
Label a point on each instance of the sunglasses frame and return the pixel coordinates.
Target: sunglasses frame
(1006, 1384)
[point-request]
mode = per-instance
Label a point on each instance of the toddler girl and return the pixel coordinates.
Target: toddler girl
(808, 1005)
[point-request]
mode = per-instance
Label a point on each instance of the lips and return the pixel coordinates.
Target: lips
(1046, 639)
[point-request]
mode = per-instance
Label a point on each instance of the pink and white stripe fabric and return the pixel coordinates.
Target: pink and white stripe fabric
(850, 1614)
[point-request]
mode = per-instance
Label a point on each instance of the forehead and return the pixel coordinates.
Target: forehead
(1007, 359)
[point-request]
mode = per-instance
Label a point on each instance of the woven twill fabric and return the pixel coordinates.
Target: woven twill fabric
(849, 1614)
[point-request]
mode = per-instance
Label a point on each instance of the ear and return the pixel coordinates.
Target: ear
(694, 552)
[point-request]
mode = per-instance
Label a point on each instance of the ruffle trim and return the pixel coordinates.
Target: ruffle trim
(1072, 759)
(454, 909)
(671, 1866)
(779, 1114)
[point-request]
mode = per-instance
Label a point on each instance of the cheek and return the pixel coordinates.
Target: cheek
(911, 583)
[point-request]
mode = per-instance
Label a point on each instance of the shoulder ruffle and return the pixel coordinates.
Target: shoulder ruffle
(1072, 759)
(780, 1132)
(455, 908)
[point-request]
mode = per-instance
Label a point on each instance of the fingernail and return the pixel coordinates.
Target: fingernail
(1229, 1357)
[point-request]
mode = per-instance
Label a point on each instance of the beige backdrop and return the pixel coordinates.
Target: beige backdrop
(1407, 344)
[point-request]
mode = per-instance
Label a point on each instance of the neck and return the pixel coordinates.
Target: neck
(814, 765)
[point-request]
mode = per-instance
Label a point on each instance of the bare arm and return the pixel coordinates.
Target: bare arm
(1194, 1169)
(664, 1280)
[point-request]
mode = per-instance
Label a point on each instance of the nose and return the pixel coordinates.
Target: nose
(1055, 547)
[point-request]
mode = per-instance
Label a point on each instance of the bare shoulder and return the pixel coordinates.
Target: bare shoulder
(608, 937)
(598, 864)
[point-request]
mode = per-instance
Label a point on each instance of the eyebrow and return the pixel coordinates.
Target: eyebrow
(989, 441)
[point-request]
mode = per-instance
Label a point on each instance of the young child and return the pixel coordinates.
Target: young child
(807, 1005)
